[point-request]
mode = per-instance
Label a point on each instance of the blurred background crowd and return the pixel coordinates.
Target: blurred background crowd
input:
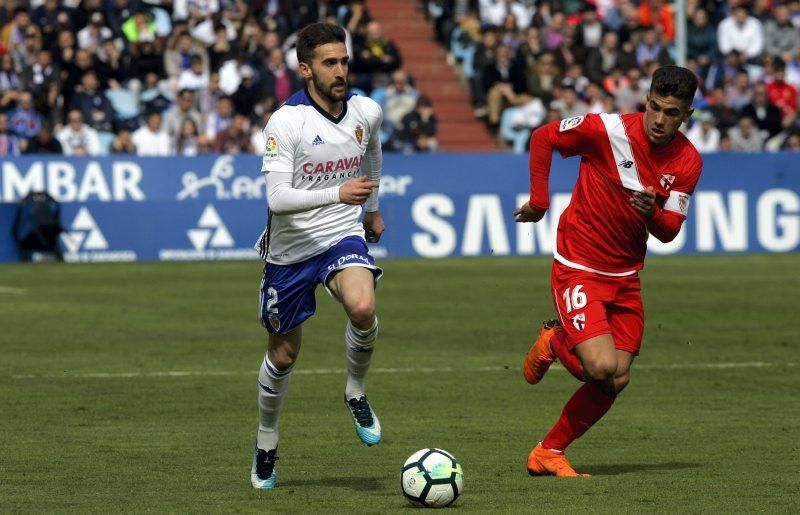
(185, 77)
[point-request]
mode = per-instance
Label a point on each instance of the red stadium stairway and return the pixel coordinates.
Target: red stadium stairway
(403, 21)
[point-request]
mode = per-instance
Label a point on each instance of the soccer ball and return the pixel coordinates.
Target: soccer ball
(431, 478)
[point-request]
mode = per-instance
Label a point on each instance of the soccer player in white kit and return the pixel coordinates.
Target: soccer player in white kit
(322, 163)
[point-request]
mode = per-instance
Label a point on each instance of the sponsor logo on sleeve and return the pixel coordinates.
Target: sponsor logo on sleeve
(683, 202)
(271, 151)
(570, 123)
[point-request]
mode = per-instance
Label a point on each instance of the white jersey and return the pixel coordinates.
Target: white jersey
(321, 152)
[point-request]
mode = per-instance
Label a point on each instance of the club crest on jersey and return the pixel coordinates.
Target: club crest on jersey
(666, 180)
(275, 322)
(359, 132)
(271, 151)
(570, 123)
(579, 321)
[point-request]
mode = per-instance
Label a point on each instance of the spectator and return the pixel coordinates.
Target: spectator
(651, 50)
(418, 128)
(741, 32)
(195, 77)
(27, 53)
(482, 57)
(194, 10)
(781, 38)
(779, 92)
(13, 33)
(590, 30)
(547, 75)
(140, 27)
(179, 112)
(568, 104)
(208, 96)
(703, 135)
(222, 50)
(701, 39)
(117, 11)
(45, 17)
(24, 121)
(726, 116)
(375, 57)
(9, 81)
(602, 60)
(188, 141)
(178, 57)
(39, 73)
(279, 81)
(93, 104)
(90, 37)
(766, 115)
(77, 138)
(44, 142)
(219, 120)
(630, 95)
(739, 93)
(655, 13)
(493, 12)
(123, 143)
(400, 98)
(151, 139)
(10, 144)
(116, 66)
(505, 84)
(235, 137)
(746, 137)
(792, 143)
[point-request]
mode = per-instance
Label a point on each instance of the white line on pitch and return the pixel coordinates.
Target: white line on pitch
(13, 291)
(408, 370)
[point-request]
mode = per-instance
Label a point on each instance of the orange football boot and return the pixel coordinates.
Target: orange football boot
(545, 462)
(541, 356)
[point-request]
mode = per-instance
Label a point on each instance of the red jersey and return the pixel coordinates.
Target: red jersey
(600, 231)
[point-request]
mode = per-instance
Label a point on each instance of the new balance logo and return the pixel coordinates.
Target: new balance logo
(318, 141)
(625, 163)
(210, 232)
(84, 234)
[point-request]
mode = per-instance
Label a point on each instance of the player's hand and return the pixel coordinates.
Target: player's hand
(373, 226)
(356, 191)
(525, 213)
(644, 201)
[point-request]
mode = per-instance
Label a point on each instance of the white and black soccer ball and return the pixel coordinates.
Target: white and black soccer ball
(431, 478)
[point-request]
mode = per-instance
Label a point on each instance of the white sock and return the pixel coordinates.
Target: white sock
(359, 354)
(272, 386)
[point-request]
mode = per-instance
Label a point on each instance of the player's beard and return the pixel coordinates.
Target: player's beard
(327, 90)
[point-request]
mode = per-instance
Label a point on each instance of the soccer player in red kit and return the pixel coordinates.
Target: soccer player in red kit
(637, 175)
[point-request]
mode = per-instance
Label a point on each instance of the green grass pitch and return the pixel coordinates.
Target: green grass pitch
(132, 388)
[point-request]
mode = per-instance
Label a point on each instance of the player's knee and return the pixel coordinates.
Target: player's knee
(282, 358)
(361, 312)
(600, 371)
(621, 381)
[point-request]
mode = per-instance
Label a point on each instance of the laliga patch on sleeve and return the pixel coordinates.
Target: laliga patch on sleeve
(271, 151)
(570, 123)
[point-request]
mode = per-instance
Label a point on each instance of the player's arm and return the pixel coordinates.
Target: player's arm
(570, 137)
(664, 222)
(371, 166)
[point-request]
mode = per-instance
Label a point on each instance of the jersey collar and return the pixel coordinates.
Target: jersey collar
(326, 114)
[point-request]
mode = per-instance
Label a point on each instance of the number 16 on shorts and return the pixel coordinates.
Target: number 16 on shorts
(575, 299)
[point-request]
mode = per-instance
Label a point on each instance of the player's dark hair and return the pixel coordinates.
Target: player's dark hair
(674, 81)
(314, 35)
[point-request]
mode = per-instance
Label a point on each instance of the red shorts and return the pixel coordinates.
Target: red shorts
(591, 304)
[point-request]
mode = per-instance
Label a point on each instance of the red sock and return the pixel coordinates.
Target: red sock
(582, 411)
(559, 343)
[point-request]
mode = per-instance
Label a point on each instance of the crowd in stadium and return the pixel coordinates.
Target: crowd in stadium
(185, 77)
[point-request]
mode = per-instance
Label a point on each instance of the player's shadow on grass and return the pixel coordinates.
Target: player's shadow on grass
(625, 468)
(355, 483)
